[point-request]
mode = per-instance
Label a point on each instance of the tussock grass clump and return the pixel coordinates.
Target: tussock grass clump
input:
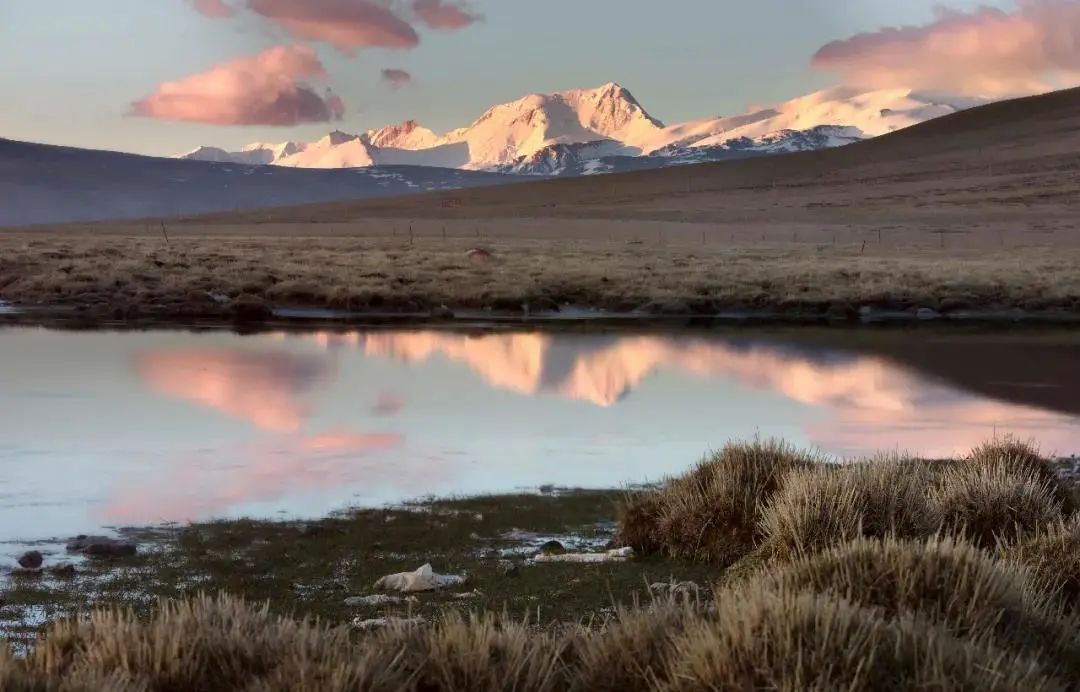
(790, 640)
(944, 581)
(824, 506)
(760, 637)
(1023, 456)
(633, 651)
(1053, 557)
(993, 503)
(639, 519)
(474, 653)
(712, 514)
(205, 644)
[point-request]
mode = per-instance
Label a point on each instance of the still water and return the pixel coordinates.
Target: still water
(127, 428)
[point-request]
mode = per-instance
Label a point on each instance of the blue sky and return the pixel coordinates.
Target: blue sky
(72, 68)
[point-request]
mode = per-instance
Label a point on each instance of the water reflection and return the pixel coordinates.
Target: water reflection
(870, 403)
(154, 426)
(264, 388)
(211, 483)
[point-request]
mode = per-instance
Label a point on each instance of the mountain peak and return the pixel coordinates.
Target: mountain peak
(337, 138)
(575, 129)
(408, 135)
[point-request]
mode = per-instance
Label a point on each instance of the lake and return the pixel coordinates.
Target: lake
(129, 428)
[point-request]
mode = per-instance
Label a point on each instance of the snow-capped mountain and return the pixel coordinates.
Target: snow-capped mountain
(606, 130)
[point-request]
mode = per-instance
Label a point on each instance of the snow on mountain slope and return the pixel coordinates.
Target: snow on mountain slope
(603, 129)
(407, 135)
(335, 150)
(872, 113)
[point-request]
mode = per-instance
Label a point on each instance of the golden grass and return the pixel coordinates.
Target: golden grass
(1018, 454)
(825, 505)
(994, 503)
(791, 640)
(712, 513)
(946, 581)
(761, 637)
(1053, 557)
(750, 505)
(129, 274)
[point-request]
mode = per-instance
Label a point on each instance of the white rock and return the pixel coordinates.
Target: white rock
(368, 625)
(617, 555)
(423, 579)
(376, 600)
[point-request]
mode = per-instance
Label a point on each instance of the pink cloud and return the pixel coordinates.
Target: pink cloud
(395, 78)
(444, 14)
(986, 52)
(270, 88)
(215, 9)
(344, 24)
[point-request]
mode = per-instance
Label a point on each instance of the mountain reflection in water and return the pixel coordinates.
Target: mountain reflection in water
(175, 426)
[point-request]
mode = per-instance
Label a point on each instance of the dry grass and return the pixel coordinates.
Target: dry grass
(1053, 556)
(790, 640)
(993, 503)
(633, 651)
(754, 504)
(1025, 456)
(945, 581)
(823, 506)
(758, 638)
(712, 513)
(639, 522)
(129, 275)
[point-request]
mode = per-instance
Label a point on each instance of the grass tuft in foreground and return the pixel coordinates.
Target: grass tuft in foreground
(712, 514)
(759, 638)
(1053, 557)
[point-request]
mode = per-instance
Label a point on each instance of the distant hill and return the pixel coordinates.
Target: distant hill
(42, 184)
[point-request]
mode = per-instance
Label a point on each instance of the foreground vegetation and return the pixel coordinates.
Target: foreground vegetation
(889, 573)
(134, 275)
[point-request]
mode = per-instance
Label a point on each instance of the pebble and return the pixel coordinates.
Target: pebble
(552, 548)
(31, 560)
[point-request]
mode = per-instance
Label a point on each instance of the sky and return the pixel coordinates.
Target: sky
(165, 76)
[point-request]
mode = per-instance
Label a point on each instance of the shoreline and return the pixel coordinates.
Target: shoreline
(301, 318)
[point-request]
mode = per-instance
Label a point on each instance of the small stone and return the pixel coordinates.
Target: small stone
(508, 568)
(552, 548)
(31, 560)
(478, 253)
(64, 571)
